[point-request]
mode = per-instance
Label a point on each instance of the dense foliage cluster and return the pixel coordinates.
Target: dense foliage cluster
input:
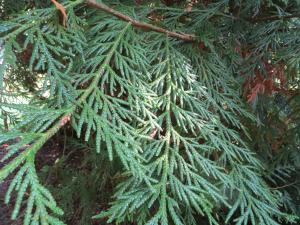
(189, 110)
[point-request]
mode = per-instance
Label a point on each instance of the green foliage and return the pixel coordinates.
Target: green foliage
(53, 48)
(166, 115)
(40, 198)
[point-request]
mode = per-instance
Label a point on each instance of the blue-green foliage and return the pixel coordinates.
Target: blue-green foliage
(170, 111)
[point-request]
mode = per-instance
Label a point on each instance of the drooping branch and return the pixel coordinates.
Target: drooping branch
(143, 25)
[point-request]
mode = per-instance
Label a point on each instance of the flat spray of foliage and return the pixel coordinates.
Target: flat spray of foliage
(156, 85)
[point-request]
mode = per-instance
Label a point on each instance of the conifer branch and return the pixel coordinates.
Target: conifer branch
(31, 151)
(142, 25)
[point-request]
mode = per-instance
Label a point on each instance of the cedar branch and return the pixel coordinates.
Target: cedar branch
(147, 26)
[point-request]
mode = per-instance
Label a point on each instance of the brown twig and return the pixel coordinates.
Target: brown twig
(62, 10)
(147, 26)
(181, 36)
(275, 17)
(284, 186)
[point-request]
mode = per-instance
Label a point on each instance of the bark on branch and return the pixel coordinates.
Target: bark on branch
(147, 26)
(275, 17)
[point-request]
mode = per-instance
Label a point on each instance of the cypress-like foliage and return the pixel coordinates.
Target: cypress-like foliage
(157, 86)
